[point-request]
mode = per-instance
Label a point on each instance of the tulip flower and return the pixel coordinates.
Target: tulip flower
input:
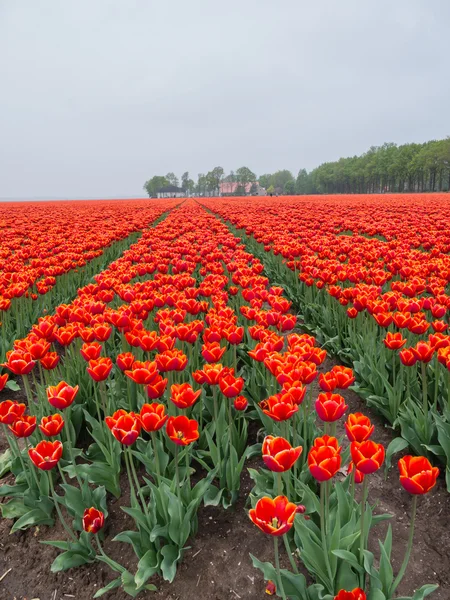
(213, 352)
(50, 361)
(19, 362)
(124, 426)
(394, 341)
(274, 517)
(182, 431)
(324, 459)
(278, 454)
(62, 395)
(157, 388)
(125, 361)
(153, 416)
(231, 386)
(271, 588)
(24, 426)
(46, 455)
(327, 382)
(330, 407)
(171, 360)
(423, 351)
(368, 456)
(10, 410)
(183, 396)
(210, 374)
(358, 427)
(344, 376)
(240, 403)
(3, 381)
(359, 477)
(355, 594)
(279, 407)
(93, 520)
(51, 426)
(143, 373)
(408, 357)
(100, 368)
(91, 351)
(417, 475)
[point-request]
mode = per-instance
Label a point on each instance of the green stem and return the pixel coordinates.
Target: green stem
(401, 573)
(136, 480)
(58, 510)
(277, 566)
(289, 553)
(423, 367)
(69, 443)
(323, 530)
(363, 529)
(130, 479)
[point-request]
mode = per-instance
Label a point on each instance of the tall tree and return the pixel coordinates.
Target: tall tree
(154, 184)
(172, 179)
(243, 177)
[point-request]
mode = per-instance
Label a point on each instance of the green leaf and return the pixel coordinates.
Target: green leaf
(12, 385)
(13, 508)
(68, 560)
(147, 566)
(112, 585)
(424, 591)
(395, 446)
(5, 462)
(350, 558)
(171, 556)
(32, 517)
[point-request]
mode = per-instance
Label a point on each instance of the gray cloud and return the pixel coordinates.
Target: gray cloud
(97, 96)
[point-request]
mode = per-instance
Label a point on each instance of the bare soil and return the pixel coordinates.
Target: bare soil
(217, 565)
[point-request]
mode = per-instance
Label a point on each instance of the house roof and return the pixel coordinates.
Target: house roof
(169, 188)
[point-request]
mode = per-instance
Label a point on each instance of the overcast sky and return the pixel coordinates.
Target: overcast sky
(99, 95)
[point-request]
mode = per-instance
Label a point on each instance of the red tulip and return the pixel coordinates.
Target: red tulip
(50, 361)
(240, 403)
(143, 373)
(359, 477)
(182, 431)
(344, 376)
(157, 388)
(124, 426)
(394, 341)
(100, 368)
(91, 351)
(125, 361)
(19, 362)
(274, 517)
(3, 380)
(279, 407)
(417, 475)
(324, 459)
(24, 426)
(356, 594)
(93, 520)
(330, 407)
(51, 426)
(368, 456)
(10, 410)
(278, 454)
(231, 386)
(153, 416)
(62, 395)
(46, 455)
(358, 427)
(183, 396)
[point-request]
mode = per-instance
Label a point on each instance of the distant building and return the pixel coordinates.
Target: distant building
(170, 191)
(229, 188)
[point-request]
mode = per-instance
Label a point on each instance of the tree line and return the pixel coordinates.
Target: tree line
(387, 168)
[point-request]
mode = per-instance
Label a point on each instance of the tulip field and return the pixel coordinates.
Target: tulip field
(225, 398)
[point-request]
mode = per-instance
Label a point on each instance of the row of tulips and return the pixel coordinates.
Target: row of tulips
(38, 272)
(168, 312)
(174, 313)
(367, 277)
